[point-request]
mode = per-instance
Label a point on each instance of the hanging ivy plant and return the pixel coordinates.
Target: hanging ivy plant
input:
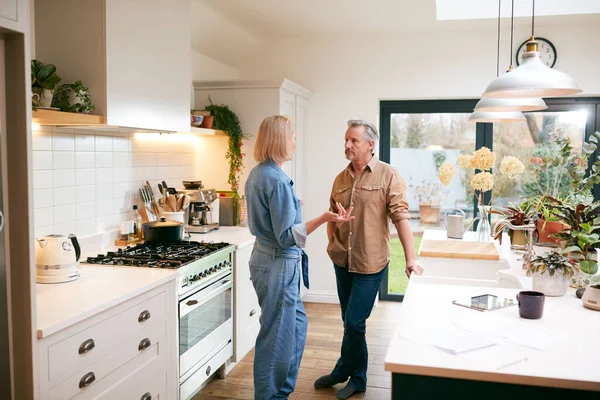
(226, 120)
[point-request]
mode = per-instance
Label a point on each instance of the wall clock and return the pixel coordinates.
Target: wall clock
(546, 49)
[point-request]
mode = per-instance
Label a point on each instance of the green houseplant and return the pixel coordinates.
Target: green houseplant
(226, 120)
(73, 97)
(517, 215)
(582, 237)
(551, 273)
(43, 82)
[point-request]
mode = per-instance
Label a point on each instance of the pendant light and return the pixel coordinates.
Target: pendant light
(501, 110)
(483, 116)
(532, 78)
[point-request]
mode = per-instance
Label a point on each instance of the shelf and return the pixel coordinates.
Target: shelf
(203, 131)
(51, 117)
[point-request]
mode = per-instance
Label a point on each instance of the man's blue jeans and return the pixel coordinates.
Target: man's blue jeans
(357, 293)
(275, 274)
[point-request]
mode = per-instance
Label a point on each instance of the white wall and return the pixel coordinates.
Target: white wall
(349, 76)
(86, 183)
(205, 68)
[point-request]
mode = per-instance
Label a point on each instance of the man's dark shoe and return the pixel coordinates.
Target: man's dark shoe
(327, 381)
(347, 391)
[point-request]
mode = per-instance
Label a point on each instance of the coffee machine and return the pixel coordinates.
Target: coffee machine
(199, 215)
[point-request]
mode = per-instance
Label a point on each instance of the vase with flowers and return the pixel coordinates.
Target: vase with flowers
(483, 180)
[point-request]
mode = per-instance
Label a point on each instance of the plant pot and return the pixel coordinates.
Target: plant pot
(429, 213)
(518, 239)
(550, 285)
(207, 122)
(45, 96)
(591, 297)
(546, 228)
(581, 279)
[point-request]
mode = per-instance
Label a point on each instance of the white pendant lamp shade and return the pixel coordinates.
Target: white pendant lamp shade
(489, 104)
(532, 79)
(482, 116)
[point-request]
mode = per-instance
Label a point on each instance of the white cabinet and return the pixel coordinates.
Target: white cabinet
(8, 9)
(252, 102)
(127, 351)
(247, 310)
(133, 55)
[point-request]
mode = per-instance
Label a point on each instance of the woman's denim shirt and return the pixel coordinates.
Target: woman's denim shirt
(274, 211)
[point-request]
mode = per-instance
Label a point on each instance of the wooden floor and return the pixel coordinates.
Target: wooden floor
(322, 350)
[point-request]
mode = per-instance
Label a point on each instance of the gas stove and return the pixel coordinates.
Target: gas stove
(199, 264)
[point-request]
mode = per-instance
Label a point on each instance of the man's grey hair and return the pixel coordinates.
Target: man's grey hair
(371, 133)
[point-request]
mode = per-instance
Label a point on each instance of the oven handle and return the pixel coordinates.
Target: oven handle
(189, 304)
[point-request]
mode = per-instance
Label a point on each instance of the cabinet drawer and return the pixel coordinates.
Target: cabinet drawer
(88, 346)
(250, 310)
(189, 388)
(144, 347)
(152, 389)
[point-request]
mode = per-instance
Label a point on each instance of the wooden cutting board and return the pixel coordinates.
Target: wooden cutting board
(459, 249)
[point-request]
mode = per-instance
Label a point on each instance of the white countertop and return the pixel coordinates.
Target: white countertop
(99, 288)
(238, 235)
(567, 360)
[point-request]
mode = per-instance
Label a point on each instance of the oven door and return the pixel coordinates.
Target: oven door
(204, 323)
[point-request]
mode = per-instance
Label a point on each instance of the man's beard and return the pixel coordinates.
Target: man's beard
(350, 156)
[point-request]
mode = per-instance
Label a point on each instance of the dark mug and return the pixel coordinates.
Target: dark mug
(531, 304)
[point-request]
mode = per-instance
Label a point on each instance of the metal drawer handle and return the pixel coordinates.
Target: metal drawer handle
(144, 344)
(252, 312)
(86, 346)
(192, 302)
(87, 380)
(208, 371)
(146, 396)
(144, 316)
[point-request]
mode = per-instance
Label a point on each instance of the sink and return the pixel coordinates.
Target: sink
(463, 268)
(503, 282)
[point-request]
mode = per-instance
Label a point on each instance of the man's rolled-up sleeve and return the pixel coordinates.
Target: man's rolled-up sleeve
(396, 198)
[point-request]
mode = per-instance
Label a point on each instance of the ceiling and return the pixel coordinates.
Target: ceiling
(306, 18)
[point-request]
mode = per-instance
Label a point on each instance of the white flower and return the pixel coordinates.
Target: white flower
(483, 159)
(482, 182)
(464, 161)
(446, 172)
(511, 167)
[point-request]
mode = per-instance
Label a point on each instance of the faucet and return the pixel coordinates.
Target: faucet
(530, 228)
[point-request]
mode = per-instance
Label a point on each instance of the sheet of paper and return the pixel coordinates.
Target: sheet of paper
(497, 357)
(449, 338)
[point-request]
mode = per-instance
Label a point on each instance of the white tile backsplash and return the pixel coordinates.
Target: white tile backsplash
(85, 177)
(41, 141)
(63, 177)
(42, 160)
(64, 214)
(86, 183)
(63, 160)
(64, 196)
(63, 142)
(85, 159)
(84, 142)
(104, 143)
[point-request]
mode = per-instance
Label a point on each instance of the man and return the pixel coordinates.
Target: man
(360, 249)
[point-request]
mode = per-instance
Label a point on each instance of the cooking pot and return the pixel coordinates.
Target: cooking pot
(163, 231)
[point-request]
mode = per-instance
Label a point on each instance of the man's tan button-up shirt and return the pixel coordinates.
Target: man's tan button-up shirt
(378, 194)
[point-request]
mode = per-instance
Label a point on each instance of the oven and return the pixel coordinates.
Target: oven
(205, 333)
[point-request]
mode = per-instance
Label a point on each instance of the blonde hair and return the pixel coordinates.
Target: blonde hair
(271, 139)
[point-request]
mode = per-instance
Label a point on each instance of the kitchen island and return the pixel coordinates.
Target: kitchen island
(429, 356)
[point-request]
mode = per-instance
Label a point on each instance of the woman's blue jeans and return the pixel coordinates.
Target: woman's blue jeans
(275, 274)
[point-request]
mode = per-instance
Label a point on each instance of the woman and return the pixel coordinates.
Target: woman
(275, 218)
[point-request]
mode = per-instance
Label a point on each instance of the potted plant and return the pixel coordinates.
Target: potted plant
(547, 224)
(551, 273)
(73, 97)
(429, 196)
(43, 82)
(226, 120)
(517, 215)
(582, 237)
